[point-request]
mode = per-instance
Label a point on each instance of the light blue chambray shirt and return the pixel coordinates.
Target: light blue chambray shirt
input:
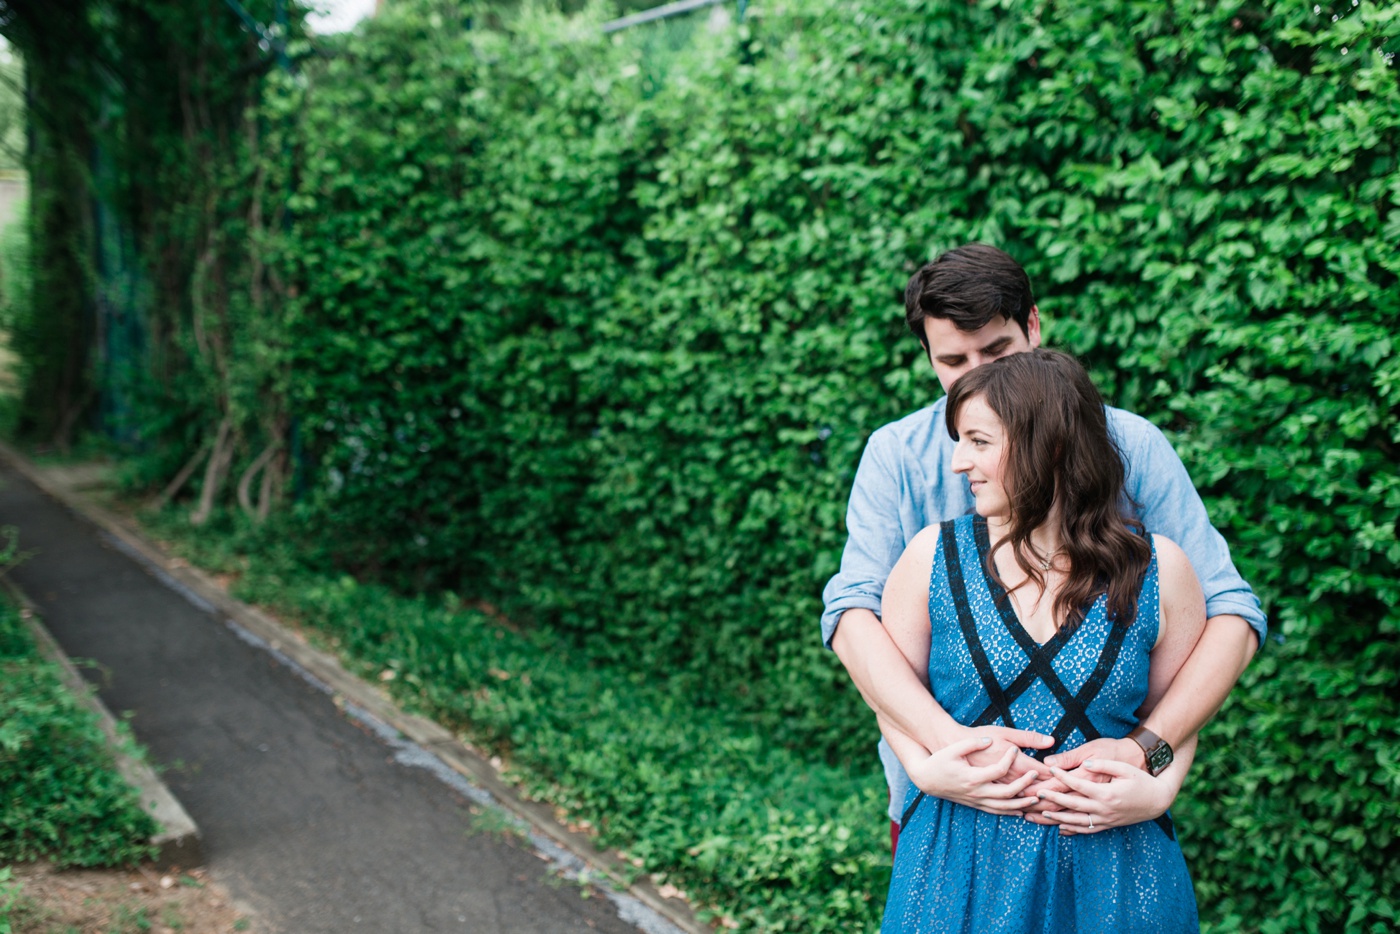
(906, 483)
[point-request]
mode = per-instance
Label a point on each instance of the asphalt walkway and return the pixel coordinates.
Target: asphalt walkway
(315, 823)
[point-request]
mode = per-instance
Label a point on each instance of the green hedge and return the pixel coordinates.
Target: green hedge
(61, 797)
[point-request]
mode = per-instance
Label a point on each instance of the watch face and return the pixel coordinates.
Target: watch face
(1159, 758)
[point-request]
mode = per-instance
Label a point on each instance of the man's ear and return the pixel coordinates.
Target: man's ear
(1033, 327)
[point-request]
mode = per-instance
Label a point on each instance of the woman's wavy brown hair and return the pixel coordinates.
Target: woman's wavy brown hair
(1058, 449)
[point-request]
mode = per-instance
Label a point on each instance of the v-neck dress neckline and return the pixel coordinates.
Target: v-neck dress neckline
(1002, 598)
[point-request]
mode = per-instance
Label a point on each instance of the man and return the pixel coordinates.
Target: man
(970, 306)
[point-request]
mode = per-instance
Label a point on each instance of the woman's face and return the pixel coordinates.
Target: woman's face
(979, 454)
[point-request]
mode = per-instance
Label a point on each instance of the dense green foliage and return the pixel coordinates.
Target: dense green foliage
(15, 302)
(605, 353)
(62, 797)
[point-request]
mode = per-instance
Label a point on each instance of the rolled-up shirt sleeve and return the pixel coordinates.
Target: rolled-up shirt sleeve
(874, 541)
(1169, 505)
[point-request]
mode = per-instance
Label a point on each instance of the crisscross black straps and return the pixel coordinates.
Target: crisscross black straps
(1039, 657)
(1023, 682)
(1038, 661)
(1038, 666)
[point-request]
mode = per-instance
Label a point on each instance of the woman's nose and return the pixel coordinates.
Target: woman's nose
(960, 464)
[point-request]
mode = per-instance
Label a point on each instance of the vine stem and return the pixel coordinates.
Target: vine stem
(181, 478)
(214, 471)
(245, 482)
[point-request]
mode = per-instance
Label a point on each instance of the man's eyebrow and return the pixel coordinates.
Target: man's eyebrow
(997, 345)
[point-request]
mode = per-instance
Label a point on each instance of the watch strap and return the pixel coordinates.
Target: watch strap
(1157, 753)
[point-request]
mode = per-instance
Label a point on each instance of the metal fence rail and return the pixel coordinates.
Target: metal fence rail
(659, 12)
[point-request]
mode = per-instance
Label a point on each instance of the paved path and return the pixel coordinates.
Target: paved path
(306, 816)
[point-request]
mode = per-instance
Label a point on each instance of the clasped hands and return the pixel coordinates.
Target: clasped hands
(1093, 787)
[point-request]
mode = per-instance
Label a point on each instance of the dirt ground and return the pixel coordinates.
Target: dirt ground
(121, 901)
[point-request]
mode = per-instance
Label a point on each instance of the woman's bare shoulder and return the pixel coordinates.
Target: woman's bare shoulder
(926, 540)
(918, 556)
(921, 548)
(1173, 566)
(1183, 604)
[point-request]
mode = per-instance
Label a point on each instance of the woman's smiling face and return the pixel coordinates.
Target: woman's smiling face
(979, 455)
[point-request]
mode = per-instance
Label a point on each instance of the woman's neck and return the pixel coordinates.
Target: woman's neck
(1045, 541)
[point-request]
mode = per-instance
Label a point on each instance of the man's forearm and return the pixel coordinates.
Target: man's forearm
(1205, 680)
(888, 682)
(905, 748)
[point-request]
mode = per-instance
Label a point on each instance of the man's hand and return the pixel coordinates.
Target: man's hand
(1104, 794)
(1002, 740)
(1119, 750)
(949, 774)
(982, 767)
(1115, 750)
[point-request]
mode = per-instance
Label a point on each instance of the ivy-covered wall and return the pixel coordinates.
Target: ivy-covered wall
(605, 353)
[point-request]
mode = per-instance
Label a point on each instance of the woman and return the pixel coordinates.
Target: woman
(1047, 610)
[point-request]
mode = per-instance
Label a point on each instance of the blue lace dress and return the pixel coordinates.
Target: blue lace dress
(958, 869)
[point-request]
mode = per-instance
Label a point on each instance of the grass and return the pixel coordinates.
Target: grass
(10, 896)
(130, 920)
(64, 800)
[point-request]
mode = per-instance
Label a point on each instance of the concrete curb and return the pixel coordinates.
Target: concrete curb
(177, 841)
(368, 701)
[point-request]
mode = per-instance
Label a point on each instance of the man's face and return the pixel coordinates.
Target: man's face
(953, 352)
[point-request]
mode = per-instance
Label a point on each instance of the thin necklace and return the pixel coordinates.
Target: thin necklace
(1045, 560)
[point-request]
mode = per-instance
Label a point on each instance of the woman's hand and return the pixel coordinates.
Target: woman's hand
(951, 775)
(1103, 794)
(1121, 750)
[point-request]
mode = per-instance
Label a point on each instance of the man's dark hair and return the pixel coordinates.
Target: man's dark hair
(970, 286)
